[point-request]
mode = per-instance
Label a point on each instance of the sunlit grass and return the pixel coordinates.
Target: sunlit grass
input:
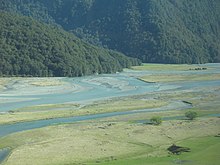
(109, 142)
(165, 67)
(176, 77)
(204, 151)
(48, 107)
(68, 110)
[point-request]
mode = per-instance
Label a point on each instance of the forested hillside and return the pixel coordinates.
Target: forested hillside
(32, 48)
(164, 31)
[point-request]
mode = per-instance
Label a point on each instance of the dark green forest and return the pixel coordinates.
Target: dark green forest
(32, 48)
(159, 31)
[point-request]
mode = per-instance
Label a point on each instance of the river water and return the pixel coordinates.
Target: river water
(3, 154)
(92, 88)
(90, 91)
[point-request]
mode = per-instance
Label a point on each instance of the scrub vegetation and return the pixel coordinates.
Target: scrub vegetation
(191, 115)
(156, 120)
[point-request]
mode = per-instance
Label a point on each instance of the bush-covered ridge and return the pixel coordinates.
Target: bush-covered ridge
(164, 31)
(31, 48)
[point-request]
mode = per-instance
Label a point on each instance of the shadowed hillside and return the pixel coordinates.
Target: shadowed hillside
(164, 31)
(31, 48)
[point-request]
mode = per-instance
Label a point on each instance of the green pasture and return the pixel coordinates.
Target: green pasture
(165, 67)
(115, 142)
(204, 151)
(67, 110)
(177, 77)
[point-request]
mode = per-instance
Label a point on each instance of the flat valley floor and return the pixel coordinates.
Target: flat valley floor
(105, 119)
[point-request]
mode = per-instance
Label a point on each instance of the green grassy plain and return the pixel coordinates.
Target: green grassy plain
(204, 151)
(114, 142)
(165, 67)
(168, 77)
(176, 77)
(67, 110)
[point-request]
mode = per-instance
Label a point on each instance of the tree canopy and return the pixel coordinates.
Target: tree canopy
(32, 48)
(163, 31)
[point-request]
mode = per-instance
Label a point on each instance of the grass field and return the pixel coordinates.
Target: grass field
(67, 110)
(176, 77)
(115, 142)
(204, 151)
(166, 67)
(168, 77)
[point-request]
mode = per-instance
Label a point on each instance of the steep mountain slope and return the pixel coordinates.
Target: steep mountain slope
(165, 31)
(28, 47)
